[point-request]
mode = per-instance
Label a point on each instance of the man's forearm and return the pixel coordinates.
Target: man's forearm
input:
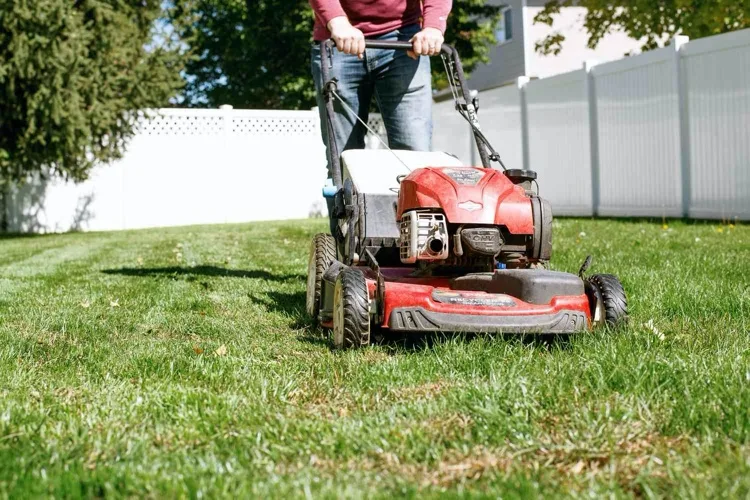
(327, 10)
(436, 13)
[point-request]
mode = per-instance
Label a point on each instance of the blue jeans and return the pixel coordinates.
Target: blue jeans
(402, 88)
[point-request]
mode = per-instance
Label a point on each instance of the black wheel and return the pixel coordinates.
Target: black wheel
(607, 300)
(322, 254)
(351, 310)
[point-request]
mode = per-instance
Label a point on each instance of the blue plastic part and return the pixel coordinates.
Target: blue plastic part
(500, 265)
(329, 191)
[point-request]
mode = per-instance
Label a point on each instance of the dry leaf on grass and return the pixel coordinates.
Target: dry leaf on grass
(85, 304)
(114, 303)
(652, 328)
(198, 349)
(221, 351)
(577, 468)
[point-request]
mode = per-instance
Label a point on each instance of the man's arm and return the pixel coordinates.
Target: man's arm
(429, 41)
(348, 39)
(435, 14)
(327, 10)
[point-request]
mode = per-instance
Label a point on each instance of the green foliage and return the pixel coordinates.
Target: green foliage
(257, 54)
(249, 54)
(653, 22)
(71, 75)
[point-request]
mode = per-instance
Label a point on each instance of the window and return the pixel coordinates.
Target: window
(504, 31)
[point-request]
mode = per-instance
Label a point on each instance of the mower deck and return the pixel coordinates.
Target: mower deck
(476, 303)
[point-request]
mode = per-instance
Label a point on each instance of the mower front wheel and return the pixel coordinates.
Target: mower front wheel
(607, 300)
(351, 310)
(322, 254)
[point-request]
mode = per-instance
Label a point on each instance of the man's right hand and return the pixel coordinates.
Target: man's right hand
(349, 39)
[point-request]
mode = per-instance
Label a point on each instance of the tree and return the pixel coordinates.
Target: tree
(256, 53)
(72, 75)
(653, 21)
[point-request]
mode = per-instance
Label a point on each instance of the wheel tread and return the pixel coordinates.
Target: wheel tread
(615, 300)
(324, 246)
(356, 302)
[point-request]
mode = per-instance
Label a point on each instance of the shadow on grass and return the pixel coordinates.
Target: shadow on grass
(210, 271)
(290, 304)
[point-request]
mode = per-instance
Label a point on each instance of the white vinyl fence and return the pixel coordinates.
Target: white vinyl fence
(190, 166)
(664, 133)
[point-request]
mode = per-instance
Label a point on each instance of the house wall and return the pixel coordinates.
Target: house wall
(574, 49)
(507, 59)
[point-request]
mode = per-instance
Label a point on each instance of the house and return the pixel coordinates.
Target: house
(515, 54)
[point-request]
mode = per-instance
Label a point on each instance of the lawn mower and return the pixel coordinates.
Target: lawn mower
(423, 243)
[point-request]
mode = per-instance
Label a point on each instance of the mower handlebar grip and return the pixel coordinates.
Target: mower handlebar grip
(387, 44)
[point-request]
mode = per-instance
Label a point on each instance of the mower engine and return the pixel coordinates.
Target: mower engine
(473, 217)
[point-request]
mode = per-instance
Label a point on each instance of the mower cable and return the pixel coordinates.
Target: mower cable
(451, 80)
(494, 155)
(360, 120)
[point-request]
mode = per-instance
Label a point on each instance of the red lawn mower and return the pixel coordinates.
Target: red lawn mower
(426, 244)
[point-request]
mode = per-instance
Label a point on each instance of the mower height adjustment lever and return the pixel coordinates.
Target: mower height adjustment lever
(585, 266)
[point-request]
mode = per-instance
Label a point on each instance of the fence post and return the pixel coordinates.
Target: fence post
(521, 84)
(590, 89)
(226, 119)
(684, 122)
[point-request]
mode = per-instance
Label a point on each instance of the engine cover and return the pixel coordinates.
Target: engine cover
(468, 195)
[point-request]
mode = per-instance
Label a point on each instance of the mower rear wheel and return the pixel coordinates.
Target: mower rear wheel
(351, 310)
(607, 300)
(322, 254)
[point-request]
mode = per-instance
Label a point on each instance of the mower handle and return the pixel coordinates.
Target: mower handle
(385, 44)
(388, 44)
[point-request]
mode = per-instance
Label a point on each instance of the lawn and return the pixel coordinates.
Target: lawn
(179, 362)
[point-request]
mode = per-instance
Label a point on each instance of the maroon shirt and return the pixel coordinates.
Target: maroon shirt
(377, 17)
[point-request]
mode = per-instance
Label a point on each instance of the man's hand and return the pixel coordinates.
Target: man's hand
(349, 39)
(427, 42)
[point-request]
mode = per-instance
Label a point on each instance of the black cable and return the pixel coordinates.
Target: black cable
(494, 155)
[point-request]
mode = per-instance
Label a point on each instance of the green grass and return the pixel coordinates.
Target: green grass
(111, 383)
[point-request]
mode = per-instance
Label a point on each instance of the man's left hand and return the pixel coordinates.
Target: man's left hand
(427, 42)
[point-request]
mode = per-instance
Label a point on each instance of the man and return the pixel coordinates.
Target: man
(400, 82)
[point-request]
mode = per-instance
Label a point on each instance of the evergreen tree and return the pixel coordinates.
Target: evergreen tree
(73, 73)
